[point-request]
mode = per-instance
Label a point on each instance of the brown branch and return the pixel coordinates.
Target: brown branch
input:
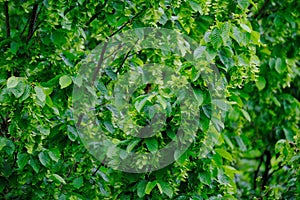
(7, 19)
(32, 21)
(100, 62)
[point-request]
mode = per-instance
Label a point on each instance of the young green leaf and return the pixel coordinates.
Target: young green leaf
(65, 81)
(149, 187)
(224, 154)
(12, 82)
(59, 178)
(40, 93)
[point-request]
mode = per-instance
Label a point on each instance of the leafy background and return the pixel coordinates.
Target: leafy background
(255, 45)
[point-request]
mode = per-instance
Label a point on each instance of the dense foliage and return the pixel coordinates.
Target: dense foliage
(254, 44)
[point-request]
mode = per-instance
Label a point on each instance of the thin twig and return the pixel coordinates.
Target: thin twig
(123, 61)
(96, 14)
(94, 173)
(125, 24)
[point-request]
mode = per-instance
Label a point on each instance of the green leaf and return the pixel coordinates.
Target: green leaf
(166, 188)
(18, 90)
(12, 82)
(180, 156)
(3, 142)
(243, 4)
(140, 104)
(255, 37)
(162, 101)
(133, 144)
(40, 93)
(230, 171)
(224, 154)
(246, 115)
(44, 159)
(43, 130)
(260, 83)
(289, 134)
(220, 103)
(35, 166)
(7, 145)
(226, 57)
(111, 73)
(72, 133)
(225, 32)
(195, 6)
(141, 188)
(241, 143)
(280, 65)
(151, 144)
(205, 178)
(78, 182)
(58, 38)
(54, 154)
(246, 28)
(198, 95)
(149, 187)
(101, 87)
(65, 81)
(22, 160)
(26, 93)
(216, 38)
(59, 178)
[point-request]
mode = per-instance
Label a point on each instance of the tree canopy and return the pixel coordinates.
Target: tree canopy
(253, 149)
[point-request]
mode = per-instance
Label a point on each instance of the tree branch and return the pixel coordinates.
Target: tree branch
(32, 22)
(96, 14)
(102, 58)
(261, 10)
(94, 173)
(129, 21)
(100, 62)
(7, 19)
